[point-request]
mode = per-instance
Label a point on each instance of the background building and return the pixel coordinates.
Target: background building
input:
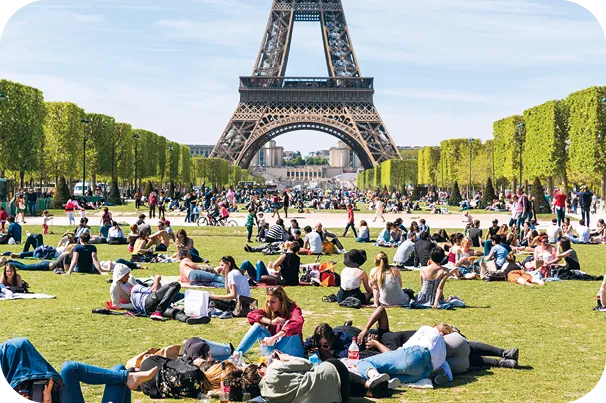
(341, 156)
(200, 150)
(270, 155)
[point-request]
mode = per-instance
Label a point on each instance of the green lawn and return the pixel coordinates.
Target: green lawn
(561, 339)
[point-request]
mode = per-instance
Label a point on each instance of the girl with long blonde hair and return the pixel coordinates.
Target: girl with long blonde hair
(386, 283)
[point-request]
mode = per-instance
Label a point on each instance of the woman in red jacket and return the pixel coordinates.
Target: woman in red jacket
(277, 327)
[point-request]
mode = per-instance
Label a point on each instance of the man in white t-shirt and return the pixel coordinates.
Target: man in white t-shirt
(312, 242)
(583, 232)
(554, 232)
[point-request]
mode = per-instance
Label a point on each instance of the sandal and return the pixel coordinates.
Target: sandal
(329, 298)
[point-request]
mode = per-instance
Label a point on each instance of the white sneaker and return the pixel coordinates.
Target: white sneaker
(377, 379)
(393, 383)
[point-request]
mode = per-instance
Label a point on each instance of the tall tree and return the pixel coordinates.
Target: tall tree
(62, 133)
(22, 114)
(508, 138)
(124, 152)
(162, 145)
(185, 165)
(100, 133)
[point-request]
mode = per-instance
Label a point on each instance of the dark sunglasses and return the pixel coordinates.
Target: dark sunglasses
(273, 290)
(325, 346)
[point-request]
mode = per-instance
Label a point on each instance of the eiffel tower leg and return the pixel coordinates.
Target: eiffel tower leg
(273, 54)
(373, 132)
(338, 48)
(238, 131)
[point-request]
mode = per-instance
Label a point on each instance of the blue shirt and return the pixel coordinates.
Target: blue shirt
(14, 230)
(104, 230)
(500, 254)
(85, 258)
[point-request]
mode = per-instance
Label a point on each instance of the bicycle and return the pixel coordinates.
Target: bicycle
(209, 221)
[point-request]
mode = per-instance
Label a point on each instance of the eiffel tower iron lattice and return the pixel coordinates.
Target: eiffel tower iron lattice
(271, 104)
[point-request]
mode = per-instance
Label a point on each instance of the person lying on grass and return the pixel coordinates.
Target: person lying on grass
(196, 274)
(155, 301)
(22, 364)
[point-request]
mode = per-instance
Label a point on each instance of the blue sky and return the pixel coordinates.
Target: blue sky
(442, 68)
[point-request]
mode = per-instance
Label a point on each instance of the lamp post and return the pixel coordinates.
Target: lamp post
(520, 126)
(85, 122)
(470, 141)
(136, 137)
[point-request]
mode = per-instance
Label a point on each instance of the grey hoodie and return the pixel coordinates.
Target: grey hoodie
(121, 291)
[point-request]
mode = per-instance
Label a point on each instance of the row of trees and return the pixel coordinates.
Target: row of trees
(390, 174)
(47, 141)
(300, 161)
(562, 141)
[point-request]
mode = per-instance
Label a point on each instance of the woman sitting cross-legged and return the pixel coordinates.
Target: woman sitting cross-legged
(22, 364)
(386, 283)
(154, 301)
(236, 286)
(363, 233)
(286, 267)
(353, 277)
(278, 326)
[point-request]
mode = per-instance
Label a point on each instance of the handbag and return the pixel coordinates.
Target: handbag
(487, 267)
(196, 303)
(244, 305)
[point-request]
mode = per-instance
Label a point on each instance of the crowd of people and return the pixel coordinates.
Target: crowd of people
(297, 368)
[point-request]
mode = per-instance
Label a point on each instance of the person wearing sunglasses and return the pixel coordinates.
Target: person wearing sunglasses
(278, 325)
(330, 343)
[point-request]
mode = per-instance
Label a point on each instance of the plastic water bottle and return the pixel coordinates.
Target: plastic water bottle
(314, 359)
(353, 354)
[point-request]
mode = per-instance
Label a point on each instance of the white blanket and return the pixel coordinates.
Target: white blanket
(27, 296)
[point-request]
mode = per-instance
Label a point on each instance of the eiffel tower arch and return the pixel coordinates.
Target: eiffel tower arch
(341, 104)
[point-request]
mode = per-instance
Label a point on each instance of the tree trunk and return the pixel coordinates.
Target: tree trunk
(565, 179)
(603, 190)
(21, 179)
(550, 185)
(515, 185)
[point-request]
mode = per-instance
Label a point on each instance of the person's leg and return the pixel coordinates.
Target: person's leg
(269, 280)
(73, 373)
(129, 264)
(30, 241)
(248, 267)
(291, 345)
(344, 377)
(484, 349)
(337, 243)
(195, 256)
(255, 333)
(23, 255)
(560, 215)
(249, 233)
(205, 278)
(261, 270)
(41, 266)
(409, 364)
(117, 392)
(487, 247)
(161, 299)
(219, 351)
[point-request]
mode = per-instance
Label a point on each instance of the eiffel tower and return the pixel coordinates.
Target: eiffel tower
(340, 104)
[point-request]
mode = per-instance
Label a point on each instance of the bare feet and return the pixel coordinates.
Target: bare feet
(137, 378)
(15, 255)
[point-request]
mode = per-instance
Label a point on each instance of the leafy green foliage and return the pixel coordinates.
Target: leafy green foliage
(149, 187)
(61, 194)
(123, 151)
(488, 195)
(507, 141)
(455, 196)
(63, 134)
(541, 204)
(185, 165)
(100, 133)
(587, 133)
(22, 116)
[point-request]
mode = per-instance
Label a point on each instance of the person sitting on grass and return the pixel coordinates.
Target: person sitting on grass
(156, 300)
(84, 258)
(515, 273)
(195, 274)
(312, 243)
(160, 239)
(285, 267)
(384, 238)
(185, 243)
(433, 278)
(571, 260)
(143, 250)
(499, 251)
(278, 326)
(363, 233)
(115, 235)
(22, 364)
(405, 254)
(386, 283)
(13, 231)
(545, 254)
(353, 277)
(236, 285)
(325, 235)
(465, 260)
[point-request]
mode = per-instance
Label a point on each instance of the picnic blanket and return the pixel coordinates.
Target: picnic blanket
(27, 296)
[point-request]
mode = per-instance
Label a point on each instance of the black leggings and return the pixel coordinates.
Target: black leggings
(351, 384)
(479, 353)
(161, 299)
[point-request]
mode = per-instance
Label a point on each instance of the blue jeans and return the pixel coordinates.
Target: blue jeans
(219, 351)
(409, 364)
(253, 272)
(290, 345)
(127, 263)
(41, 266)
(195, 256)
(365, 239)
(32, 208)
(114, 380)
(487, 246)
(560, 213)
(586, 214)
(201, 277)
(20, 362)
(33, 240)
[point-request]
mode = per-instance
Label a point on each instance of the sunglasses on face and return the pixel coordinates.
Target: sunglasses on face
(325, 346)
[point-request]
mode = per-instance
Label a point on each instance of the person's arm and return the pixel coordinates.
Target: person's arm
(231, 296)
(278, 262)
(97, 265)
(115, 297)
(374, 318)
(19, 281)
(156, 284)
(73, 265)
(294, 325)
(440, 290)
(365, 282)
(378, 345)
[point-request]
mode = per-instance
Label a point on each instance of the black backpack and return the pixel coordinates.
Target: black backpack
(174, 379)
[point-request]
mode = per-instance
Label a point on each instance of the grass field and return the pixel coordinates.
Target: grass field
(561, 340)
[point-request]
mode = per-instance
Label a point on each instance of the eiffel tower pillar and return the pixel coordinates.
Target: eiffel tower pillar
(341, 104)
